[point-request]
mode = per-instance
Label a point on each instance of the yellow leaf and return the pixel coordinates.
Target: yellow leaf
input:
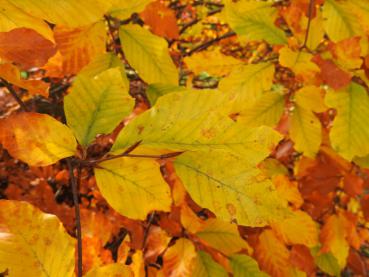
(154, 91)
(300, 63)
(243, 265)
(340, 22)
(305, 131)
(222, 236)
(178, 260)
(97, 105)
(229, 187)
(300, 228)
(349, 135)
(204, 265)
(123, 9)
(248, 82)
(148, 55)
(333, 238)
(79, 46)
(116, 270)
(69, 13)
(138, 264)
(37, 139)
(133, 187)
(266, 110)
(288, 190)
(254, 21)
(212, 62)
(33, 243)
(12, 17)
(311, 98)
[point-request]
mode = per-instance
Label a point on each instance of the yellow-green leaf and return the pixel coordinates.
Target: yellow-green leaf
(69, 13)
(326, 262)
(254, 21)
(193, 120)
(205, 266)
(148, 55)
(247, 83)
(36, 139)
(154, 91)
(267, 110)
(133, 187)
(243, 265)
(123, 9)
(96, 105)
(101, 63)
(116, 270)
(350, 134)
(340, 22)
(305, 131)
(227, 186)
(11, 17)
(33, 243)
(222, 235)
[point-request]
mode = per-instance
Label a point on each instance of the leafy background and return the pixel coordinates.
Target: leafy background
(239, 129)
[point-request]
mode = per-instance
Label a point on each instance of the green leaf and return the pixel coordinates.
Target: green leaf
(350, 134)
(254, 21)
(194, 120)
(340, 22)
(247, 83)
(243, 265)
(97, 105)
(267, 110)
(148, 55)
(205, 266)
(326, 262)
(154, 91)
(229, 187)
(222, 236)
(134, 187)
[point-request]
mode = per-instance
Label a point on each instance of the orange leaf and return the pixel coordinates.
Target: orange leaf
(161, 19)
(353, 184)
(157, 241)
(272, 255)
(179, 258)
(78, 46)
(302, 259)
(11, 74)
(25, 47)
(288, 190)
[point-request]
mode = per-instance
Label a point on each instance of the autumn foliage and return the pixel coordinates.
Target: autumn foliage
(184, 138)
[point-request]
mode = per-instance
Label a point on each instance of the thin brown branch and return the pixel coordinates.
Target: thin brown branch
(74, 184)
(14, 94)
(310, 15)
(207, 44)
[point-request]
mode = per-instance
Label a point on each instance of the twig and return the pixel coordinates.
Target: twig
(147, 229)
(196, 20)
(310, 14)
(74, 185)
(14, 94)
(209, 43)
